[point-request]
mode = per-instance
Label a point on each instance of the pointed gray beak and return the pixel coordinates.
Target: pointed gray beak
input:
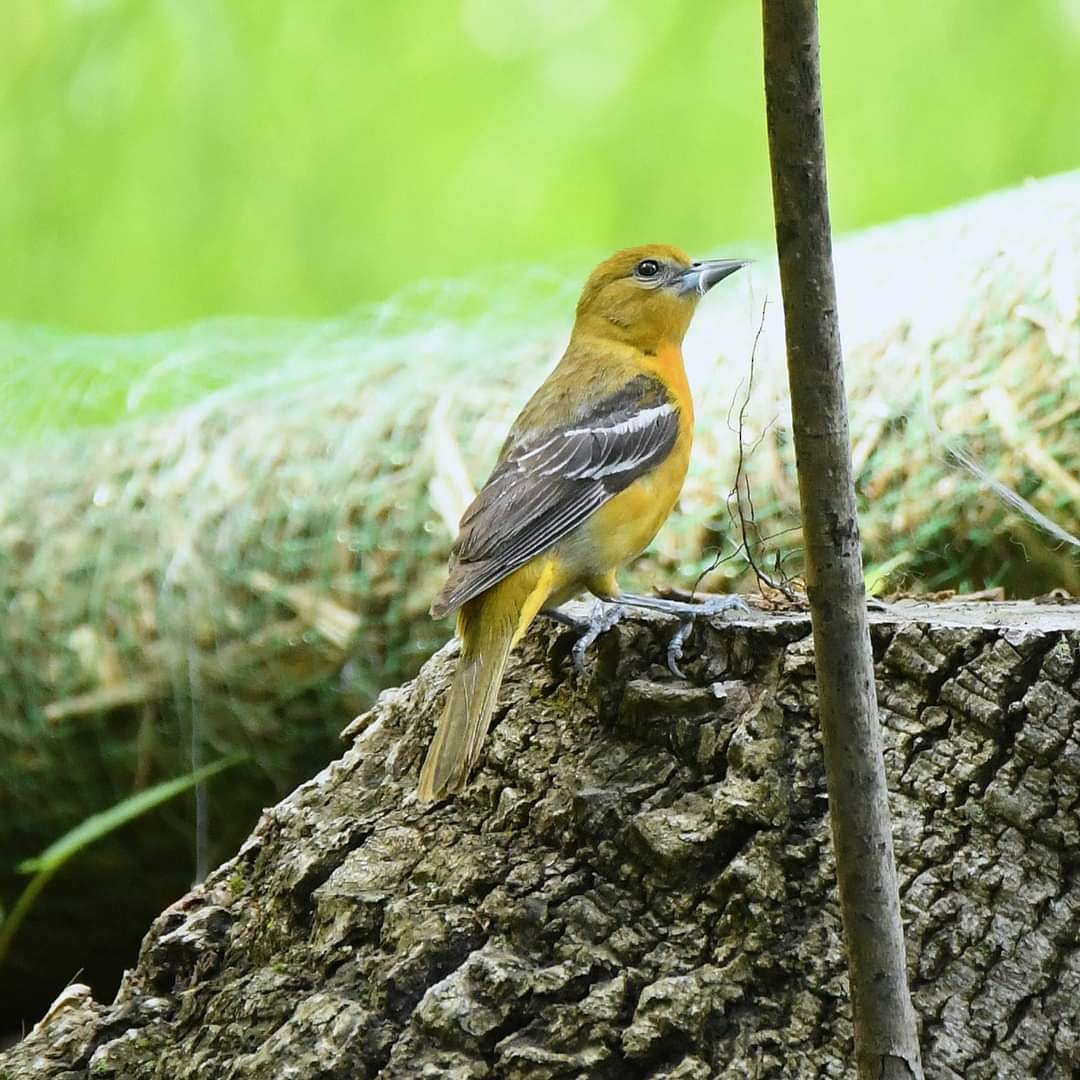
(702, 276)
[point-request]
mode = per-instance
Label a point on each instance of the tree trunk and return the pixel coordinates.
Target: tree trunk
(565, 917)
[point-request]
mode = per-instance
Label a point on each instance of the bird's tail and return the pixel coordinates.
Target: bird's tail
(489, 626)
(467, 715)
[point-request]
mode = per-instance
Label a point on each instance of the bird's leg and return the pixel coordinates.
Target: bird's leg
(564, 618)
(602, 616)
(610, 609)
(686, 613)
(709, 605)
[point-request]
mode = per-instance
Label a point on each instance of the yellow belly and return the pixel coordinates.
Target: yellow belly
(619, 531)
(622, 528)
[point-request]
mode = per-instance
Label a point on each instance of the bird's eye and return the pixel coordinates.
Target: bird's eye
(647, 268)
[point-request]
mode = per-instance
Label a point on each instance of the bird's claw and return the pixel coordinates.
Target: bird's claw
(601, 618)
(690, 612)
(720, 605)
(604, 615)
(675, 648)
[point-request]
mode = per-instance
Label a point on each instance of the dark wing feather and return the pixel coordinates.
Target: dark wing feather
(547, 484)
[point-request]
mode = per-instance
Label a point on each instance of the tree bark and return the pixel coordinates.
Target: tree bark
(886, 1038)
(564, 917)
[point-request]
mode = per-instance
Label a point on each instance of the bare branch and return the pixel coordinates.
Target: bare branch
(886, 1040)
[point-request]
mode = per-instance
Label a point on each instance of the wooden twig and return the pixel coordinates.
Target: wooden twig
(886, 1040)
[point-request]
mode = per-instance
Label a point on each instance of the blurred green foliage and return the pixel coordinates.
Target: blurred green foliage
(167, 159)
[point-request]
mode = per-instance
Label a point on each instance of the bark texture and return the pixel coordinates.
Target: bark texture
(886, 1039)
(639, 883)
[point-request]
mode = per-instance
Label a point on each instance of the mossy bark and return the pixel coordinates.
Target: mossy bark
(639, 881)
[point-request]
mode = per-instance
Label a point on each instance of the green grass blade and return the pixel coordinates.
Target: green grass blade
(87, 832)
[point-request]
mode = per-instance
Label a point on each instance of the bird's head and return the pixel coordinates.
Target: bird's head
(645, 296)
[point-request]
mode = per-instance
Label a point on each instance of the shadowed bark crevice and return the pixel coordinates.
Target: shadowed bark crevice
(638, 883)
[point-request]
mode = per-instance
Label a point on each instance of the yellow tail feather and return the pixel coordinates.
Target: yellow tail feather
(465, 720)
(489, 626)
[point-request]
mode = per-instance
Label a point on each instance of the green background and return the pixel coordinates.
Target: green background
(163, 160)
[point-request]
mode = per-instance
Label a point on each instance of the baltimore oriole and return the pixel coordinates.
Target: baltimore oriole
(589, 472)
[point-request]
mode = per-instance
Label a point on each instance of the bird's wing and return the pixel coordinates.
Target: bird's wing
(549, 482)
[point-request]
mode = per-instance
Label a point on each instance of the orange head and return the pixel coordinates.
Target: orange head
(645, 296)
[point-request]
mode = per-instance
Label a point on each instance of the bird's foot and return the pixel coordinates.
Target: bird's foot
(687, 613)
(602, 617)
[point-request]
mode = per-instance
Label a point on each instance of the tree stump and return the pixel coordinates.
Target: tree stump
(638, 883)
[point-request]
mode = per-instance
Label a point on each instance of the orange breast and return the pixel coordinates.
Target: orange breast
(668, 364)
(621, 529)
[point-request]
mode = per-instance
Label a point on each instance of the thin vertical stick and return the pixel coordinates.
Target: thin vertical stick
(886, 1039)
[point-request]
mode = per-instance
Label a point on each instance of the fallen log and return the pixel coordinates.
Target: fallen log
(637, 884)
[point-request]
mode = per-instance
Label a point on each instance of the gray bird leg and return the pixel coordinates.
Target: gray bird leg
(602, 616)
(686, 613)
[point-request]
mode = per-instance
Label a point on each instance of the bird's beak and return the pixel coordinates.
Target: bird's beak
(702, 276)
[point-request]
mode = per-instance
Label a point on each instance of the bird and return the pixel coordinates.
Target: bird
(589, 471)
